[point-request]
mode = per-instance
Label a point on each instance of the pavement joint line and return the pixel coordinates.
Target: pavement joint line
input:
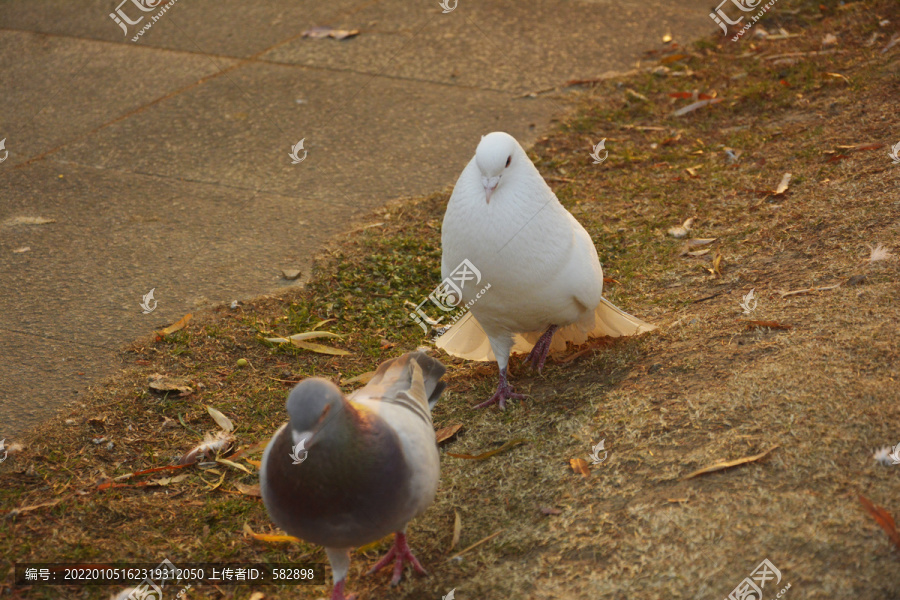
(57, 339)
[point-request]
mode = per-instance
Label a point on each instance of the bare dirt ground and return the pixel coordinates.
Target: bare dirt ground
(816, 385)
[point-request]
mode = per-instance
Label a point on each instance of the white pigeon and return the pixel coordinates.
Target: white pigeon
(372, 463)
(542, 267)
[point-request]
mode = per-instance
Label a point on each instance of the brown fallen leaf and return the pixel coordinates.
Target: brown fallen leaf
(491, 453)
(176, 326)
(579, 465)
(694, 106)
(783, 186)
(457, 530)
(18, 511)
(883, 518)
(767, 325)
(248, 490)
(318, 33)
(729, 463)
(716, 270)
(268, 537)
(446, 433)
(673, 58)
(676, 500)
(549, 510)
(162, 384)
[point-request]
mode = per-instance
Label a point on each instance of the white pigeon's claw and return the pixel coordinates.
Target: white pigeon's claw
(504, 392)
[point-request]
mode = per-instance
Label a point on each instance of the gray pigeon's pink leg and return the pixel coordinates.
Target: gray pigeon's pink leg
(399, 553)
(338, 592)
(504, 392)
(541, 349)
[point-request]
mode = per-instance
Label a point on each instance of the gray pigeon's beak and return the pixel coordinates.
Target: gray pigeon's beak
(490, 184)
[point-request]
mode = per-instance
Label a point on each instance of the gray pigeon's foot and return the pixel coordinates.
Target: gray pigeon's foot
(400, 554)
(504, 392)
(541, 349)
(338, 592)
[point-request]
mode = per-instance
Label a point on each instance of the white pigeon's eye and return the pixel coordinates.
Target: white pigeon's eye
(509, 160)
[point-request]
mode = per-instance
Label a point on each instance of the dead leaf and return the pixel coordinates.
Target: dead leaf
(446, 433)
(694, 106)
(162, 383)
(177, 326)
(633, 95)
(679, 231)
(168, 480)
(257, 596)
(672, 58)
(883, 518)
(248, 490)
(318, 33)
(457, 530)
(374, 545)
(767, 325)
(220, 419)
(268, 537)
(730, 463)
(579, 465)
(838, 76)
(28, 221)
(491, 453)
(476, 544)
(716, 270)
(234, 465)
(824, 288)
(783, 186)
(300, 337)
(829, 40)
(291, 274)
(549, 510)
(319, 348)
(692, 171)
(363, 378)
(676, 500)
(18, 511)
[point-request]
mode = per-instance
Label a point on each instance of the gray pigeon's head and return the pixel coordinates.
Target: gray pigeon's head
(496, 154)
(311, 402)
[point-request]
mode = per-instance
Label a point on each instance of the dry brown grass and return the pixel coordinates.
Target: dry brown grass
(703, 388)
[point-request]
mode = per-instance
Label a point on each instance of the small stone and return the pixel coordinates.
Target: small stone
(291, 274)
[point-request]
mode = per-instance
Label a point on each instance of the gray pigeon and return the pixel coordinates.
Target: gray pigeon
(372, 463)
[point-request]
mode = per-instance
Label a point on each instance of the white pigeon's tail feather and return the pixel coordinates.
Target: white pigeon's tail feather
(466, 339)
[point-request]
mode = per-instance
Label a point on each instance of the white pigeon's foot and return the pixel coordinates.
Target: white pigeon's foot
(504, 392)
(338, 592)
(400, 554)
(541, 349)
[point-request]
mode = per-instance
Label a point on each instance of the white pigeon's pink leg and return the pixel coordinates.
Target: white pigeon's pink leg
(541, 349)
(399, 553)
(504, 392)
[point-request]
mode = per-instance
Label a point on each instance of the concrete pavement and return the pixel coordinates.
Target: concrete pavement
(164, 162)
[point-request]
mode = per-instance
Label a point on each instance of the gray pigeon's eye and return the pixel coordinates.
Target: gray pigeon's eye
(509, 160)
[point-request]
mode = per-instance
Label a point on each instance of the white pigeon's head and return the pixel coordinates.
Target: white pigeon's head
(495, 156)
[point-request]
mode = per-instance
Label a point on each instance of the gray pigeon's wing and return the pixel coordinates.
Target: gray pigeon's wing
(395, 379)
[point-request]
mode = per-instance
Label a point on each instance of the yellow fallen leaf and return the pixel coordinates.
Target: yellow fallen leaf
(220, 419)
(319, 348)
(299, 337)
(268, 537)
(248, 490)
(457, 529)
(255, 463)
(491, 453)
(178, 325)
(363, 378)
(729, 463)
(374, 545)
(234, 465)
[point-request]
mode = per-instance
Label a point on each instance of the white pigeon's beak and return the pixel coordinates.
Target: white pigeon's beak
(490, 184)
